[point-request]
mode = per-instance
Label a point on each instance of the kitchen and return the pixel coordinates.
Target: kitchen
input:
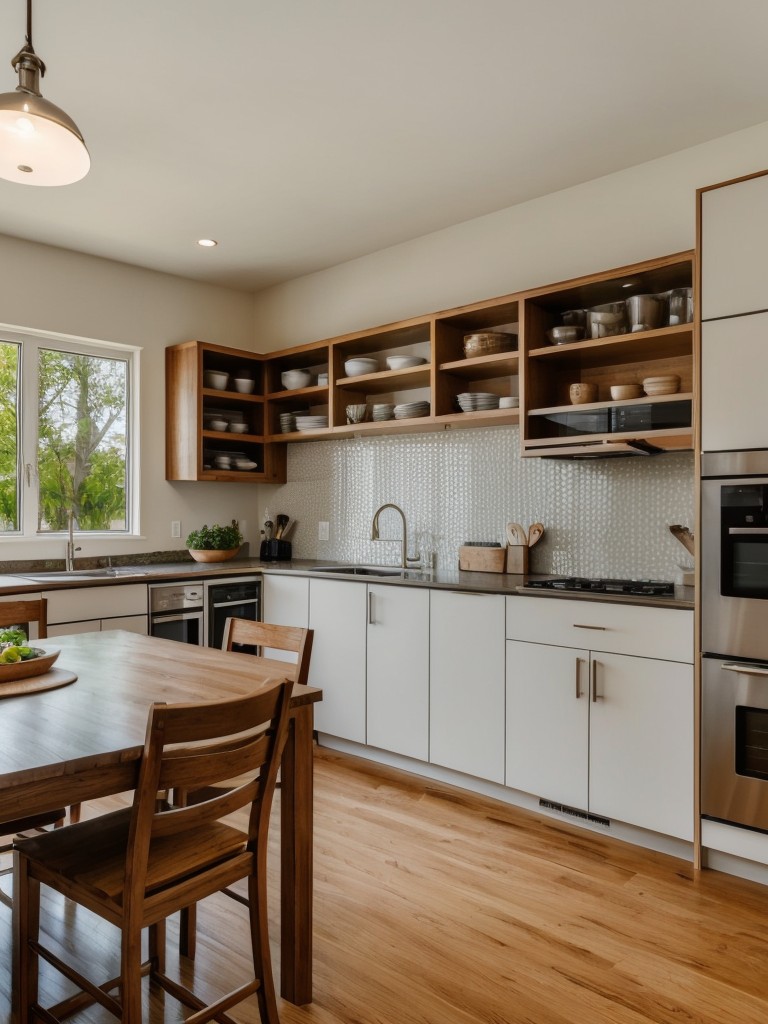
(603, 518)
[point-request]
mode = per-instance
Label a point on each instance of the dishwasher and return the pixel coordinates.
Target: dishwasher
(239, 597)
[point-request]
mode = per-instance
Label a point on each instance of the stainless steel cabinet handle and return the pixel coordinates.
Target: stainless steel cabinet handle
(370, 608)
(740, 530)
(745, 668)
(579, 625)
(579, 663)
(595, 695)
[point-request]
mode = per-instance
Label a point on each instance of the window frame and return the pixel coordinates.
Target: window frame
(31, 341)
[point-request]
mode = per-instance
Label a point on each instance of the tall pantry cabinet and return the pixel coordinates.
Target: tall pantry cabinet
(733, 227)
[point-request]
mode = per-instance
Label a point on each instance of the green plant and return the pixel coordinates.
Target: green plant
(215, 538)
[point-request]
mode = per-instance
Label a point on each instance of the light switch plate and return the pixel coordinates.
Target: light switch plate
(175, 528)
(323, 530)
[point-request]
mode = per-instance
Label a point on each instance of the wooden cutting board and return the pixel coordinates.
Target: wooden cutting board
(51, 680)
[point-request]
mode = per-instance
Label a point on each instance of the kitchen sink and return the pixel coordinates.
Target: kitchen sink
(81, 574)
(371, 570)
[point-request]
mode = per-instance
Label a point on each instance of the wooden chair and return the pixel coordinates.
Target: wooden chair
(135, 866)
(22, 614)
(258, 635)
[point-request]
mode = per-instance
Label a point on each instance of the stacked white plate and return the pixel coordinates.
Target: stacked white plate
(309, 423)
(473, 401)
(382, 411)
(287, 422)
(410, 410)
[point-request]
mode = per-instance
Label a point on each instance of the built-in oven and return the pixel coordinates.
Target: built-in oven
(734, 633)
(176, 612)
(236, 596)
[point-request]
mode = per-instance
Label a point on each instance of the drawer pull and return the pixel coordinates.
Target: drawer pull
(579, 663)
(370, 608)
(580, 625)
(745, 668)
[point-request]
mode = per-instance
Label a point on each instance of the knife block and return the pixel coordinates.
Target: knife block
(275, 551)
(517, 558)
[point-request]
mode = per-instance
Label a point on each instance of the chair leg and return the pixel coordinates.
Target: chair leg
(188, 931)
(157, 947)
(26, 929)
(262, 959)
(130, 982)
(74, 813)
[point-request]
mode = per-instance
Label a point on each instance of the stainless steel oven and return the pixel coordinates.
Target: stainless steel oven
(734, 579)
(176, 612)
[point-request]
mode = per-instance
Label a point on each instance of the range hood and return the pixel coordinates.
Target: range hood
(597, 450)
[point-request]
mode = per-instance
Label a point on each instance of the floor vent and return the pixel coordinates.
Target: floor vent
(574, 812)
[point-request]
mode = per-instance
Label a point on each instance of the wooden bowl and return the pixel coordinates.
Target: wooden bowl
(581, 393)
(202, 555)
(31, 667)
(623, 392)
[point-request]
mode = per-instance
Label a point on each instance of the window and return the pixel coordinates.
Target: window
(66, 423)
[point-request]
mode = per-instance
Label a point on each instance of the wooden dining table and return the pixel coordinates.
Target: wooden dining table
(84, 740)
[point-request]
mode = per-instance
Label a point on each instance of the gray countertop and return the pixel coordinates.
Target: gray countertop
(480, 582)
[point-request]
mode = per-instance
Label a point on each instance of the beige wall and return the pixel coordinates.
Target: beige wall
(643, 212)
(56, 290)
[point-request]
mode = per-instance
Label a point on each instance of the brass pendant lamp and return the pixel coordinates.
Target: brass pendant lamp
(39, 143)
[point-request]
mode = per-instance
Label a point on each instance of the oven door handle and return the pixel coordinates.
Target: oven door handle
(745, 668)
(232, 604)
(747, 530)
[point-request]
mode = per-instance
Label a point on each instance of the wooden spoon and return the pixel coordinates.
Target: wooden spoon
(535, 533)
(516, 534)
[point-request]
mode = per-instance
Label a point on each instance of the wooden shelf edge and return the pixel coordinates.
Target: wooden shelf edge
(678, 396)
(216, 393)
(617, 342)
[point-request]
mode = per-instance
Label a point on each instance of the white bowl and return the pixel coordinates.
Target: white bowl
(238, 428)
(293, 379)
(218, 424)
(245, 464)
(215, 379)
(509, 402)
(244, 385)
(404, 362)
(360, 365)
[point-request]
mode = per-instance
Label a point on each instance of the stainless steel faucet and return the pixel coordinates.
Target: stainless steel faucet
(69, 557)
(375, 530)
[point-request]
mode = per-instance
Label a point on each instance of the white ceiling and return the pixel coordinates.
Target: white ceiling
(303, 133)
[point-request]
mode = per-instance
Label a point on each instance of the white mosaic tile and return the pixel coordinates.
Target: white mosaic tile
(603, 517)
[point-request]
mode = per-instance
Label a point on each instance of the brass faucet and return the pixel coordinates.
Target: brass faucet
(375, 530)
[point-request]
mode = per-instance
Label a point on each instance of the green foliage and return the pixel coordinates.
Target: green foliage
(9, 358)
(215, 538)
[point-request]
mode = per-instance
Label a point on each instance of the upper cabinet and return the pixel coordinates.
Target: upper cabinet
(608, 362)
(214, 405)
(733, 222)
(487, 363)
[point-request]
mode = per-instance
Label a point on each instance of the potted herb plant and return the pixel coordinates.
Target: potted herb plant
(215, 543)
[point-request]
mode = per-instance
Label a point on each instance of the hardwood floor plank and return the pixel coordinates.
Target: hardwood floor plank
(434, 906)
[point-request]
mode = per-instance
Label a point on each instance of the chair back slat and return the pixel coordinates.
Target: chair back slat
(182, 772)
(190, 723)
(195, 816)
(280, 638)
(22, 613)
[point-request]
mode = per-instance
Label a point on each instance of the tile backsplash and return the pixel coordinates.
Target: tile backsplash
(603, 517)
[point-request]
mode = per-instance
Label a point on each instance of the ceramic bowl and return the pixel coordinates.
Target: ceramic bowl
(509, 402)
(565, 334)
(356, 413)
(623, 392)
(486, 343)
(244, 385)
(215, 379)
(404, 362)
(238, 428)
(360, 365)
(293, 379)
(581, 393)
(668, 384)
(218, 424)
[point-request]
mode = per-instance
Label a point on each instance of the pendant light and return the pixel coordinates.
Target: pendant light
(39, 143)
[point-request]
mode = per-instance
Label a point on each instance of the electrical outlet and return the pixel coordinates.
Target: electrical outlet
(175, 528)
(323, 531)
(243, 524)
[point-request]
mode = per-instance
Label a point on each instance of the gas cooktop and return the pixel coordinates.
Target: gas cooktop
(647, 588)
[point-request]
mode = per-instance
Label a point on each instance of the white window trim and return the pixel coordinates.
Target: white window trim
(76, 343)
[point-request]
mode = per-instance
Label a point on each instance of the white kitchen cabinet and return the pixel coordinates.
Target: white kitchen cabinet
(548, 722)
(603, 731)
(398, 670)
(284, 602)
(338, 615)
(466, 690)
(734, 226)
(89, 609)
(734, 369)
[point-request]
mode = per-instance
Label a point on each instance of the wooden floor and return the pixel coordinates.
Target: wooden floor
(434, 907)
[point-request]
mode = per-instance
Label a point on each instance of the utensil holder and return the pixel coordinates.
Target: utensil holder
(275, 551)
(517, 558)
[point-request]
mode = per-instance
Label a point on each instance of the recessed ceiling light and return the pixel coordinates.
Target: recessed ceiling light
(207, 243)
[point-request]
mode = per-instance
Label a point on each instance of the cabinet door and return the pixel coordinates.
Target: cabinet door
(734, 225)
(466, 689)
(131, 623)
(83, 603)
(641, 743)
(285, 602)
(337, 613)
(548, 722)
(82, 626)
(734, 370)
(398, 670)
